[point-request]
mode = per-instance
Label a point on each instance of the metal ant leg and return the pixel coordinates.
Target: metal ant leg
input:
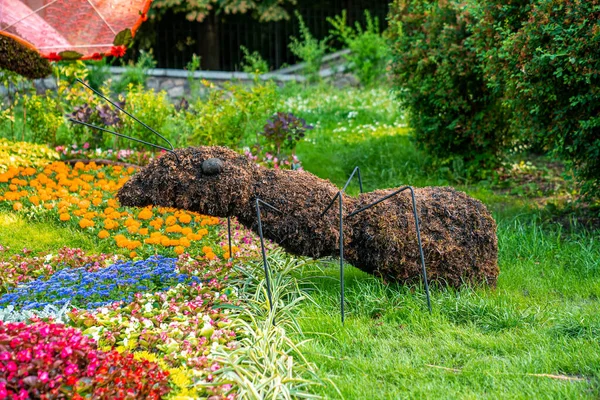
(229, 237)
(341, 204)
(342, 285)
(417, 227)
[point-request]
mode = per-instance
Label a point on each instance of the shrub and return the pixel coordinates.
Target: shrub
(454, 114)
(229, 117)
(135, 73)
(13, 154)
(154, 109)
(308, 49)
(553, 85)
(44, 117)
(282, 131)
(253, 63)
(370, 52)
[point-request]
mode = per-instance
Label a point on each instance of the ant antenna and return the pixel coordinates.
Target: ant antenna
(171, 150)
(123, 136)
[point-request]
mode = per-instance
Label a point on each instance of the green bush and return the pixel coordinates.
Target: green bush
(479, 74)
(135, 73)
(229, 117)
(370, 52)
(154, 109)
(310, 50)
(455, 116)
(44, 117)
(551, 66)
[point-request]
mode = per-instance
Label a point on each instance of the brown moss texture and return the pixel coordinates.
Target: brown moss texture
(458, 233)
(25, 62)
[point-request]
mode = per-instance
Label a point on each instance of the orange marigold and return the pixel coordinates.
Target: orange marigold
(86, 223)
(103, 234)
(17, 206)
(185, 218)
(65, 217)
(179, 250)
(145, 214)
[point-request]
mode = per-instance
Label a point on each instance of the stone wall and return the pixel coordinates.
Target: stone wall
(176, 82)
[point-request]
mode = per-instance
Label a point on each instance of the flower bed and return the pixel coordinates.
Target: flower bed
(173, 312)
(22, 268)
(54, 361)
(91, 288)
(83, 197)
(148, 322)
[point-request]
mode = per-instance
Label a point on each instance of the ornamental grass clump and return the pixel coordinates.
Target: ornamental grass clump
(92, 289)
(43, 360)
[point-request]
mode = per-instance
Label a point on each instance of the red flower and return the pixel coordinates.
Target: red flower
(97, 56)
(118, 51)
(53, 57)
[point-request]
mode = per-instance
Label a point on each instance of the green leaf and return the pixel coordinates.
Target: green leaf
(123, 38)
(70, 55)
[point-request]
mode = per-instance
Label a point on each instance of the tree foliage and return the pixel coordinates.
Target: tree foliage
(454, 114)
(479, 75)
(263, 10)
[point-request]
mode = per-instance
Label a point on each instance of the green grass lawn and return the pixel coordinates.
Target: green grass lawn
(18, 233)
(537, 335)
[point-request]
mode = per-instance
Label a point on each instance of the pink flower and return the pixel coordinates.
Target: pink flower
(44, 331)
(86, 145)
(43, 376)
(23, 395)
(66, 352)
(71, 369)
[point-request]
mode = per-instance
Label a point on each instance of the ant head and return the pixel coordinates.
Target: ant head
(210, 180)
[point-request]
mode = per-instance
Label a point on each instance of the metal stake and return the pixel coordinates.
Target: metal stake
(229, 237)
(342, 286)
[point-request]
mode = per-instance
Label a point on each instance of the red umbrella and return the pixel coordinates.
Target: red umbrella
(73, 29)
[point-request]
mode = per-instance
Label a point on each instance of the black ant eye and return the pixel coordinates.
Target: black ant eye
(212, 166)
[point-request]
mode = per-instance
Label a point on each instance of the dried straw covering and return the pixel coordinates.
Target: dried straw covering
(458, 233)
